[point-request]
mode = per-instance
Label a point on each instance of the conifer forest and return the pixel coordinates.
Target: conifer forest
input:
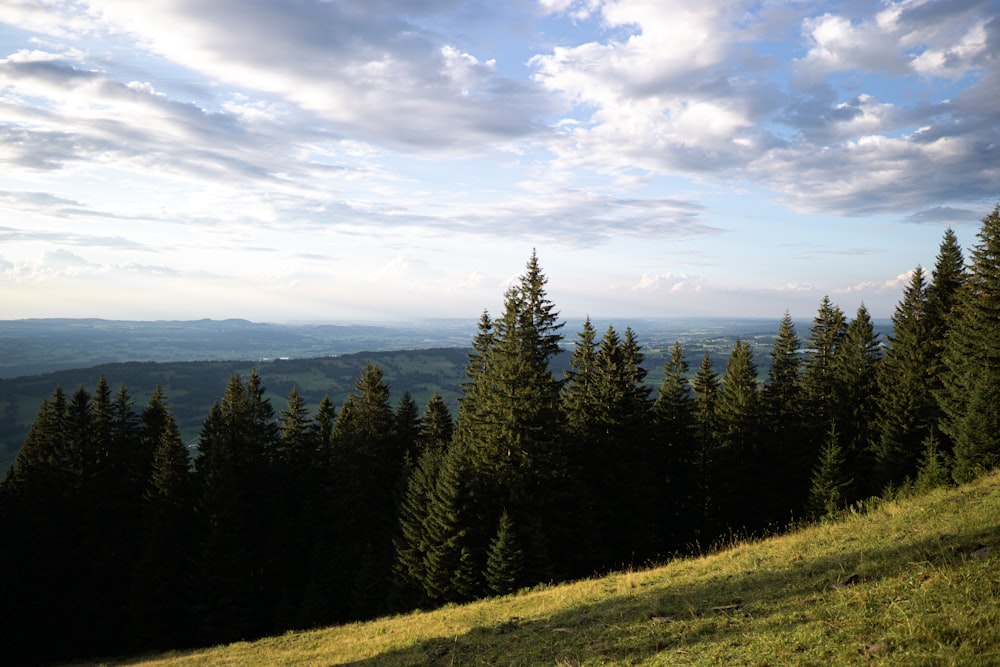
(117, 539)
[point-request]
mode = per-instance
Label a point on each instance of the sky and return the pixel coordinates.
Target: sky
(392, 160)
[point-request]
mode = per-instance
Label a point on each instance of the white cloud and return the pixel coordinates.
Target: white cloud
(473, 280)
(875, 174)
(839, 44)
(63, 259)
(795, 287)
(953, 61)
(378, 74)
(673, 283)
(892, 285)
(672, 91)
(933, 37)
(50, 17)
(345, 139)
(397, 268)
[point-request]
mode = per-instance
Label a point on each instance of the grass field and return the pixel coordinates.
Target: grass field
(907, 582)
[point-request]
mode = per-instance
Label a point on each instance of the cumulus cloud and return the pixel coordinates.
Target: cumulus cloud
(247, 125)
(837, 43)
(891, 285)
(693, 89)
(662, 88)
(673, 283)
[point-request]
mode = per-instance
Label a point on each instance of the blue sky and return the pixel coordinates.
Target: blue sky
(386, 160)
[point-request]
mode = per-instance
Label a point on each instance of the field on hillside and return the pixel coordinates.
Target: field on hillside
(912, 581)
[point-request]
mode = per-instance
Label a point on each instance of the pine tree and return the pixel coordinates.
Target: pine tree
(673, 401)
(505, 560)
(639, 445)
(581, 407)
(944, 290)
(977, 434)
(322, 427)
(368, 466)
(783, 378)
(41, 505)
(737, 470)
(407, 428)
(161, 586)
(820, 392)
(322, 602)
(579, 400)
(616, 468)
(935, 467)
(74, 522)
(46, 463)
(296, 446)
(477, 391)
(674, 419)
(436, 425)
(116, 471)
(412, 541)
(786, 460)
(906, 406)
(452, 570)
(293, 521)
(91, 458)
(704, 517)
(971, 357)
(510, 429)
(855, 366)
(170, 478)
(831, 480)
(236, 446)
(737, 409)
(523, 415)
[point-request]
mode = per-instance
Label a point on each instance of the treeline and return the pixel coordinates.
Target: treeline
(114, 540)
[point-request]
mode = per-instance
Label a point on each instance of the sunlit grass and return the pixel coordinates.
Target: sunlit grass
(912, 582)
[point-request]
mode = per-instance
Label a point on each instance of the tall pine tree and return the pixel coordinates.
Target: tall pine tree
(972, 359)
(703, 518)
(906, 405)
(784, 456)
(510, 427)
(412, 542)
(367, 466)
(673, 412)
(738, 470)
(855, 370)
(232, 509)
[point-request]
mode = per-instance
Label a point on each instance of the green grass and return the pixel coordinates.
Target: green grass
(921, 586)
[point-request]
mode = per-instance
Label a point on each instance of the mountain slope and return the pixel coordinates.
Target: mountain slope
(914, 581)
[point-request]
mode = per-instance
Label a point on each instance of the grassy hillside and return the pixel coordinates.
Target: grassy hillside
(913, 582)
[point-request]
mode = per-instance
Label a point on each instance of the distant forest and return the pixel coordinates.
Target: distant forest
(116, 539)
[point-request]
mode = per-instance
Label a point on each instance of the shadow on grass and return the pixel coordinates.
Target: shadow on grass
(654, 617)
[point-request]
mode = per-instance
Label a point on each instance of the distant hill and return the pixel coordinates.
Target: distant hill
(193, 386)
(193, 360)
(911, 582)
(33, 346)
